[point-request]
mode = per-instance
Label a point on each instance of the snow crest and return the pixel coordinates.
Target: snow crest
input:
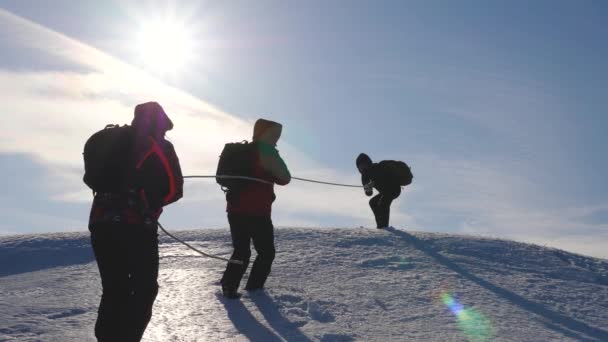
(352, 284)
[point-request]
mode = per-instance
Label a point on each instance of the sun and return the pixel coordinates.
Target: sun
(165, 46)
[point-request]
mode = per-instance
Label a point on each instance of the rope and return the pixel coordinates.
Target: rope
(267, 182)
(328, 183)
(238, 262)
(232, 177)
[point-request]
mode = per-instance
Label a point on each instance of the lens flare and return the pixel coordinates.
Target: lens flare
(475, 326)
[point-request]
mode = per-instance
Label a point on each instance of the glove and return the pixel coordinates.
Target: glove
(369, 188)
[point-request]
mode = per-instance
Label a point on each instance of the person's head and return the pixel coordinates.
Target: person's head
(363, 162)
(150, 118)
(267, 131)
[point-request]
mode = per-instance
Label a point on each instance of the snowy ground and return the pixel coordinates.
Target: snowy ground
(326, 285)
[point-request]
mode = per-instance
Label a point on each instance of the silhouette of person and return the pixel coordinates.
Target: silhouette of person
(249, 212)
(381, 177)
(123, 226)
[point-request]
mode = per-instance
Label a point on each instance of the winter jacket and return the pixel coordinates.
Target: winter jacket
(256, 198)
(382, 178)
(155, 177)
(155, 182)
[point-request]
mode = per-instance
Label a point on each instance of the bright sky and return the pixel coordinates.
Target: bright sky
(500, 108)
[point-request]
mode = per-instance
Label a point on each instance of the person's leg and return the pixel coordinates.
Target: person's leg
(241, 243)
(373, 203)
(383, 209)
(143, 270)
(263, 242)
(110, 253)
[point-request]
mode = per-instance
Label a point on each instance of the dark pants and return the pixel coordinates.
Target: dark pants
(244, 229)
(381, 206)
(127, 257)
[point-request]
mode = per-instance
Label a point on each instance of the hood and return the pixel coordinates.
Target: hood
(151, 117)
(267, 131)
(363, 159)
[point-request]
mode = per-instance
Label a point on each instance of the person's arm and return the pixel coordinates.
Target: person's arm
(158, 175)
(274, 165)
(174, 174)
(368, 183)
(282, 176)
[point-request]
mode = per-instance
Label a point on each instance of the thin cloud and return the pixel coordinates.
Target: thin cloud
(489, 198)
(54, 113)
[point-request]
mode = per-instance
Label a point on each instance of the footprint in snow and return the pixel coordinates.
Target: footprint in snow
(392, 263)
(297, 306)
(67, 313)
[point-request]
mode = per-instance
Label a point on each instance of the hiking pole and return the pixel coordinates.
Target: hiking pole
(238, 262)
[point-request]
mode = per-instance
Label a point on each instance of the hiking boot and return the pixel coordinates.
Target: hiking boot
(230, 293)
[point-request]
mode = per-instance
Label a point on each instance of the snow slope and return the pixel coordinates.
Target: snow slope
(327, 285)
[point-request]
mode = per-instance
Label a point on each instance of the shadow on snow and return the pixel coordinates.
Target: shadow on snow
(39, 253)
(558, 322)
(249, 326)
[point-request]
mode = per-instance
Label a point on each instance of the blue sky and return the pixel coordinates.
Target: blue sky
(499, 107)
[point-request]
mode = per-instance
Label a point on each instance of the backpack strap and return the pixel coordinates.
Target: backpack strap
(158, 151)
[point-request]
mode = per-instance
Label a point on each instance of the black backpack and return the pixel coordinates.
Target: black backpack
(399, 171)
(107, 158)
(237, 159)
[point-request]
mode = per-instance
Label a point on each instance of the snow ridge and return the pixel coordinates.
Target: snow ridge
(350, 284)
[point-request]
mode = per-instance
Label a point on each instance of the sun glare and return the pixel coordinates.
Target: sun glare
(165, 47)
